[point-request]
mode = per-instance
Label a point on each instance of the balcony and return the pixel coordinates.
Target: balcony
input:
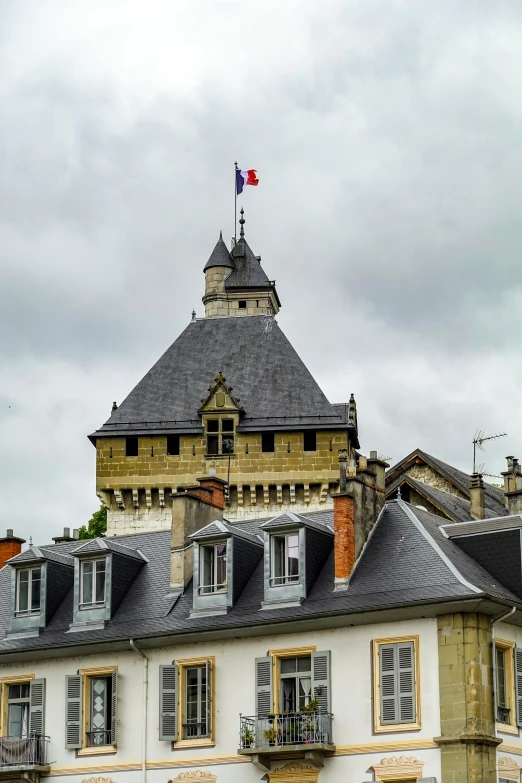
(305, 734)
(98, 737)
(26, 756)
(503, 714)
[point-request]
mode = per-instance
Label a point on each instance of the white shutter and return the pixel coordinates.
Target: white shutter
(387, 657)
(264, 702)
(168, 718)
(37, 707)
(114, 706)
(73, 711)
(518, 682)
(406, 682)
(321, 679)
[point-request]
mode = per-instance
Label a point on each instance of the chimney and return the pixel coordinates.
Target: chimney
(513, 486)
(356, 508)
(9, 547)
(476, 496)
(65, 538)
(192, 509)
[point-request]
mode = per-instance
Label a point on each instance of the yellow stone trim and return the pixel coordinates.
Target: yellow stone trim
(289, 652)
(276, 655)
(398, 768)
(98, 780)
(183, 664)
(378, 728)
(514, 749)
(87, 674)
(508, 647)
(384, 747)
(294, 772)
(196, 774)
(9, 679)
(508, 768)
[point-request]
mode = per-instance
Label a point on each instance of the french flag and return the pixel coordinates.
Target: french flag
(243, 178)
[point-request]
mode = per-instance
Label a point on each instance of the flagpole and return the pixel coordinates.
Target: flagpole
(235, 203)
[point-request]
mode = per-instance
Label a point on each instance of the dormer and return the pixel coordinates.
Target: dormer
(295, 550)
(104, 571)
(224, 559)
(220, 412)
(40, 580)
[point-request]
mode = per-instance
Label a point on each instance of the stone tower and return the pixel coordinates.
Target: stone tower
(229, 398)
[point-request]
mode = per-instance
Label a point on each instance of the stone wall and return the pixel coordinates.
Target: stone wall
(429, 476)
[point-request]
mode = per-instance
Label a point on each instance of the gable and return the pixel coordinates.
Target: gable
(219, 397)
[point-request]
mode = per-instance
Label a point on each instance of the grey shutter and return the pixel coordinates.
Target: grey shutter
(73, 711)
(387, 656)
(406, 682)
(114, 706)
(208, 699)
(518, 683)
(321, 680)
(37, 707)
(264, 702)
(168, 719)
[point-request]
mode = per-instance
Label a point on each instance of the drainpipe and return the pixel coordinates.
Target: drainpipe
(494, 661)
(144, 724)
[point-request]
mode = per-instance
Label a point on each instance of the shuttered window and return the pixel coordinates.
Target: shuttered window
(321, 679)
(168, 722)
(264, 701)
(518, 683)
(186, 709)
(37, 707)
(91, 710)
(396, 662)
(73, 711)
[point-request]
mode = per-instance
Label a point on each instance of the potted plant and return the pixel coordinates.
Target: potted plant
(271, 716)
(270, 736)
(247, 737)
(312, 706)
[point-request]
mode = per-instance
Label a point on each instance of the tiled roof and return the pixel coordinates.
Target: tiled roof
(247, 272)
(219, 256)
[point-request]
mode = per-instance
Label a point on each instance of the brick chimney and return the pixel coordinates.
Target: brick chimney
(192, 509)
(513, 486)
(476, 496)
(9, 547)
(356, 508)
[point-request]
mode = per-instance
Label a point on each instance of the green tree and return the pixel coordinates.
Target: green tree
(96, 526)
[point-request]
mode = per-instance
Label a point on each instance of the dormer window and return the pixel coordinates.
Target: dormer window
(28, 591)
(285, 559)
(92, 578)
(213, 568)
(220, 436)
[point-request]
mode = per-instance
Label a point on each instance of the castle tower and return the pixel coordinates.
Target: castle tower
(230, 398)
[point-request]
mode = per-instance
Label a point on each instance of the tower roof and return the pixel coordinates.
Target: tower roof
(248, 272)
(219, 256)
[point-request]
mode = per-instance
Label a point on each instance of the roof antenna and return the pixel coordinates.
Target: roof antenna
(478, 440)
(242, 224)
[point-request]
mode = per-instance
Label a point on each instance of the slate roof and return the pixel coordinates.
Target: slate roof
(494, 496)
(457, 508)
(33, 553)
(218, 528)
(287, 518)
(101, 545)
(219, 256)
(275, 388)
(483, 526)
(408, 561)
(247, 272)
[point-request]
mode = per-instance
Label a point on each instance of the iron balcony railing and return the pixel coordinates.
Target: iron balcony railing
(285, 728)
(503, 714)
(98, 737)
(195, 730)
(24, 751)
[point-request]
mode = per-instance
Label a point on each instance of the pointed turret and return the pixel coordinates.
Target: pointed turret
(219, 256)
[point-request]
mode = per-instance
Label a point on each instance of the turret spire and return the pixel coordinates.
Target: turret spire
(242, 224)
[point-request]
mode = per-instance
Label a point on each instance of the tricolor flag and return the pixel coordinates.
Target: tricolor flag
(243, 178)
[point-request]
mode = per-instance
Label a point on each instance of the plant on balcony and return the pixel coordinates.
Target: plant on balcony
(247, 737)
(312, 706)
(270, 736)
(271, 716)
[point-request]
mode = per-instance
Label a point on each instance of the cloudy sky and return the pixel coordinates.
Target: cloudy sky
(386, 136)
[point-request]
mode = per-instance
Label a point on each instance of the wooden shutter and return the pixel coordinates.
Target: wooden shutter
(114, 706)
(168, 719)
(208, 700)
(518, 683)
(73, 711)
(321, 689)
(37, 707)
(387, 657)
(406, 682)
(264, 701)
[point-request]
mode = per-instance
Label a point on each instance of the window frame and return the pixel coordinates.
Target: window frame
(277, 655)
(220, 433)
(189, 663)
(87, 675)
(285, 579)
(508, 649)
(27, 612)
(5, 682)
(309, 433)
(177, 451)
(201, 586)
(266, 435)
(82, 605)
(387, 728)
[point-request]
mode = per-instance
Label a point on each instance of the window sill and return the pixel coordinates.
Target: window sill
(204, 742)
(100, 750)
(506, 728)
(392, 728)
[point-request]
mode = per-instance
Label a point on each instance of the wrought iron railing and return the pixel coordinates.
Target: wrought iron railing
(285, 728)
(195, 730)
(24, 751)
(503, 714)
(98, 737)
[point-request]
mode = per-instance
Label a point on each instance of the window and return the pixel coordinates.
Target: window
(295, 683)
(100, 711)
(28, 581)
(92, 583)
(213, 568)
(285, 559)
(18, 699)
(220, 436)
(505, 685)
(186, 702)
(91, 703)
(396, 684)
(196, 698)
(267, 441)
(173, 445)
(131, 446)
(242, 304)
(310, 440)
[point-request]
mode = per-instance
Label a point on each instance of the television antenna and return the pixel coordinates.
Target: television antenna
(478, 440)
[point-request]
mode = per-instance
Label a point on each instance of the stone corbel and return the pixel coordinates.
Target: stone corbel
(266, 496)
(253, 496)
(292, 493)
(279, 494)
(294, 772)
(307, 493)
(118, 496)
(161, 493)
(324, 493)
(148, 499)
(240, 495)
(135, 500)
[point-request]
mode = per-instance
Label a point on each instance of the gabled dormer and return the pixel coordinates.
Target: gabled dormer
(40, 580)
(220, 412)
(104, 571)
(295, 550)
(224, 558)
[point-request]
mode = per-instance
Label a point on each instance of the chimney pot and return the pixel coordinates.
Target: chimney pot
(476, 496)
(9, 532)
(76, 533)
(373, 455)
(363, 463)
(66, 532)
(513, 486)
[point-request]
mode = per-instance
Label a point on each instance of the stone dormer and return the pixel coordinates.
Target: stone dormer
(235, 282)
